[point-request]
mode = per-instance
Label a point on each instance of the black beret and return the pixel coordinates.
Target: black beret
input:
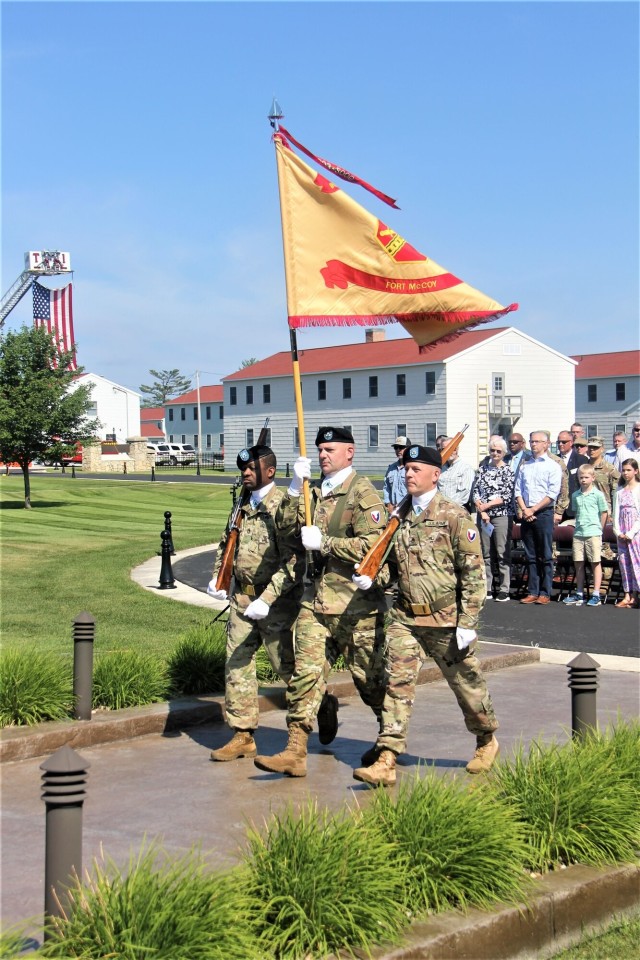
(252, 454)
(417, 454)
(334, 434)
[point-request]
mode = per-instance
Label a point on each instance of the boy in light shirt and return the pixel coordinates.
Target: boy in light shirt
(590, 509)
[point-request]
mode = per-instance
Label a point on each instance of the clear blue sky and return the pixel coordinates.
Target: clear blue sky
(135, 136)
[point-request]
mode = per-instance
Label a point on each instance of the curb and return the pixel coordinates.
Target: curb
(562, 907)
(20, 743)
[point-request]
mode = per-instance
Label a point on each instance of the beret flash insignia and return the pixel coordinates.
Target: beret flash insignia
(244, 455)
(328, 434)
(413, 453)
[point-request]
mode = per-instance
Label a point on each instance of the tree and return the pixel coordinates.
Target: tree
(169, 383)
(38, 408)
(248, 363)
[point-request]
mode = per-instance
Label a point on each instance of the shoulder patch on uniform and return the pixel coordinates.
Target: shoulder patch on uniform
(375, 516)
(471, 535)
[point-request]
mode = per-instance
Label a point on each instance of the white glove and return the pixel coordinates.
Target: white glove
(301, 472)
(257, 609)
(362, 581)
(465, 637)
(311, 537)
(216, 594)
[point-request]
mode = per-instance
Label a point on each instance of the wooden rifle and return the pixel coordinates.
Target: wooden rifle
(373, 559)
(223, 580)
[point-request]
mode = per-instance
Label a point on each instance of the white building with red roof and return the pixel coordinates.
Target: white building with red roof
(196, 414)
(491, 379)
(608, 392)
(152, 423)
(116, 407)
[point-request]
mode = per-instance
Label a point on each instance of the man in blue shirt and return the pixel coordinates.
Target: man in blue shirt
(537, 489)
(394, 489)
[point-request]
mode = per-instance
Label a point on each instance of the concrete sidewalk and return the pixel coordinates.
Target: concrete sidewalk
(164, 785)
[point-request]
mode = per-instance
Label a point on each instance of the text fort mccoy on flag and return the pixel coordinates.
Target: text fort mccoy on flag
(344, 266)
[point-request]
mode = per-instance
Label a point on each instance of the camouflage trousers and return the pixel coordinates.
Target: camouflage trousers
(244, 638)
(406, 645)
(320, 638)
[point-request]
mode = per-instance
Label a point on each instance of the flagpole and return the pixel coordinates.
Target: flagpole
(274, 116)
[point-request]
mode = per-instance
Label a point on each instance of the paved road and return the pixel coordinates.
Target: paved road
(591, 630)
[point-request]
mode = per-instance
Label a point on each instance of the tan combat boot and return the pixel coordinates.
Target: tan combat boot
(241, 744)
(485, 755)
(293, 759)
(383, 771)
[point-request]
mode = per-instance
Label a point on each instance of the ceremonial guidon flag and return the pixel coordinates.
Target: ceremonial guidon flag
(53, 309)
(344, 266)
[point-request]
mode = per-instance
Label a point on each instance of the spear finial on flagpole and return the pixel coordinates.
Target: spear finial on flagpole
(275, 114)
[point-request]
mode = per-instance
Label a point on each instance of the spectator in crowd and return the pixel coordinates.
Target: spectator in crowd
(394, 489)
(537, 490)
(632, 448)
(563, 499)
(626, 526)
(577, 430)
(606, 476)
(493, 496)
(590, 511)
(456, 479)
(619, 442)
(565, 446)
(441, 441)
(577, 458)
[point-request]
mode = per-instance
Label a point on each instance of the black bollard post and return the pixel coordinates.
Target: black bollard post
(198, 466)
(287, 474)
(167, 581)
(84, 632)
(153, 472)
(63, 792)
(583, 683)
(167, 526)
(73, 471)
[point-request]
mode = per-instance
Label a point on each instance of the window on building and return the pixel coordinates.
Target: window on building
(621, 391)
(266, 394)
(233, 396)
(401, 430)
(346, 388)
(221, 412)
(221, 441)
(592, 392)
(430, 381)
(373, 386)
(171, 414)
(183, 413)
(430, 434)
(208, 441)
(248, 394)
(592, 430)
(195, 413)
(183, 438)
(249, 437)
(170, 438)
(373, 435)
(195, 440)
(296, 439)
(401, 384)
(620, 428)
(207, 413)
(498, 382)
(322, 389)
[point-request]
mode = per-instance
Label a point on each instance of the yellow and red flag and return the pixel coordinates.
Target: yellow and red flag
(344, 266)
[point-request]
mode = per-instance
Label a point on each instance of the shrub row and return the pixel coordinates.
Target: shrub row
(313, 883)
(37, 686)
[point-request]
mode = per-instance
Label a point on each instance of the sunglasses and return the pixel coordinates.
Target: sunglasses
(580, 446)
(515, 441)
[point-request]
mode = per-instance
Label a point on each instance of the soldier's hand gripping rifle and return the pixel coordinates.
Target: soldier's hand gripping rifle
(370, 564)
(223, 580)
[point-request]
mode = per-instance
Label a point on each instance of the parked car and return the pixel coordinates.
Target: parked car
(172, 454)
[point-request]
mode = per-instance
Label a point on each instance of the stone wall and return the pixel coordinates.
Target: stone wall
(137, 460)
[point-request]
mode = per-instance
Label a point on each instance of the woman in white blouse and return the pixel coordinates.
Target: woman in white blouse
(493, 496)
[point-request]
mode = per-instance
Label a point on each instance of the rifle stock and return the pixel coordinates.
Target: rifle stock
(370, 564)
(223, 580)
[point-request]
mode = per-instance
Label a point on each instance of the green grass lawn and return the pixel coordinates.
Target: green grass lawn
(74, 551)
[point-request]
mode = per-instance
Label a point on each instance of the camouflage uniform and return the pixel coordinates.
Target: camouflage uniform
(442, 586)
(563, 501)
(337, 618)
(265, 566)
(606, 479)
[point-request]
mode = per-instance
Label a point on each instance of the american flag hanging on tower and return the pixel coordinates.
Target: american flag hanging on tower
(53, 310)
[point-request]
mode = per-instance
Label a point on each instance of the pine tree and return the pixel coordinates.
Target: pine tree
(169, 384)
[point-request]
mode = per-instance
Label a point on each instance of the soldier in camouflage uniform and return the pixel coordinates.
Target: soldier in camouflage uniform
(606, 479)
(437, 559)
(264, 602)
(336, 617)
